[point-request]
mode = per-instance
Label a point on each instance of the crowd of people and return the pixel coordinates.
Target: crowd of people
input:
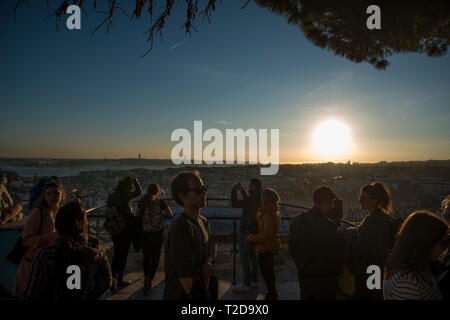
(413, 258)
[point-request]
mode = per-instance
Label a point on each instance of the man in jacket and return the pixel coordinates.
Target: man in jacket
(316, 248)
(248, 223)
(187, 262)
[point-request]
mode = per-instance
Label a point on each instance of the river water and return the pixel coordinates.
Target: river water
(70, 171)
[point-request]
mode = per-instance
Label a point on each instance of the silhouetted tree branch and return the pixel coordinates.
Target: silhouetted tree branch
(340, 26)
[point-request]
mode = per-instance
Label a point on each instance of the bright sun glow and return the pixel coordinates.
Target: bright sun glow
(332, 138)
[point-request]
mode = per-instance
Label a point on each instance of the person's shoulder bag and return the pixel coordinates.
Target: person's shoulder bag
(16, 254)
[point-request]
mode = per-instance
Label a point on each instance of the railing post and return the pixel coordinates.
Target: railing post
(234, 251)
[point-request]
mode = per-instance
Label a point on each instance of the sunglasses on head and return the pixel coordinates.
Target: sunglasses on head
(199, 189)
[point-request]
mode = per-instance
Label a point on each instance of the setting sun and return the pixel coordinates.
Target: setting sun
(332, 138)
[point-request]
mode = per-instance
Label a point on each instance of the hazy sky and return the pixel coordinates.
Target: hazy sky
(70, 94)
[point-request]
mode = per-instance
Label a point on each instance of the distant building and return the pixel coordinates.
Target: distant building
(434, 186)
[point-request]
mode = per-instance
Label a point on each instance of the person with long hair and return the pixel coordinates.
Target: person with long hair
(49, 277)
(444, 279)
(126, 190)
(267, 241)
(408, 275)
(38, 231)
(152, 211)
(374, 240)
(8, 210)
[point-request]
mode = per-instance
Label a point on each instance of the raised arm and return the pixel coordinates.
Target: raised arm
(137, 189)
(235, 202)
(7, 198)
(165, 209)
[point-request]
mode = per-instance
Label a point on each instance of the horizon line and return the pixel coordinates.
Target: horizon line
(203, 163)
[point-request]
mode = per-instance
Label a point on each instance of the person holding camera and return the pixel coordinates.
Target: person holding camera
(125, 191)
(248, 224)
(316, 247)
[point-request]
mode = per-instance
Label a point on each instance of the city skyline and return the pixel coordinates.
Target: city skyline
(68, 94)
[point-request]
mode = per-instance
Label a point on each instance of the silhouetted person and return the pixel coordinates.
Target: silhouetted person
(316, 248)
(251, 204)
(187, 262)
(126, 190)
(444, 278)
(421, 240)
(446, 208)
(337, 212)
(8, 210)
(152, 211)
(267, 241)
(49, 277)
(38, 231)
(374, 240)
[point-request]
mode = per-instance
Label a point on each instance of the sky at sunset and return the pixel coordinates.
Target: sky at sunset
(70, 94)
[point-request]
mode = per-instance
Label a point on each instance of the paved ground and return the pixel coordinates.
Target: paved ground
(285, 273)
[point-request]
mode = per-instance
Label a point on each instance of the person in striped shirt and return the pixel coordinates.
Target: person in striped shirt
(421, 240)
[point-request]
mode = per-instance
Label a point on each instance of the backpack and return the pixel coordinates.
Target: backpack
(18, 251)
(114, 221)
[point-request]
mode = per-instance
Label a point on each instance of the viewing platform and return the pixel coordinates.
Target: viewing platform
(224, 222)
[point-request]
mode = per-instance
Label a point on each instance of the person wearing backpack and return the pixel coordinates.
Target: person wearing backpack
(50, 272)
(123, 235)
(152, 212)
(38, 231)
(374, 239)
(267, 241)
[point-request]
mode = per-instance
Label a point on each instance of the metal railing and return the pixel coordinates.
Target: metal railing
(93, 215)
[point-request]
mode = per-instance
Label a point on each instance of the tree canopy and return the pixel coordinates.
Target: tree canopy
(340, 26)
